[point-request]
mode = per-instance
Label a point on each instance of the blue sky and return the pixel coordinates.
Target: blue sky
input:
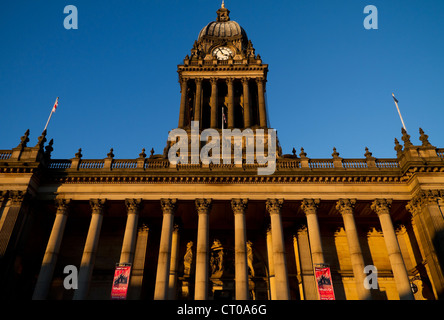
(329, 84)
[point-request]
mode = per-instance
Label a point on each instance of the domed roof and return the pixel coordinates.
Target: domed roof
(223, 27)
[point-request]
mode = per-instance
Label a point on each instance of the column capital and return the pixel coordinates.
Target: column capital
(260, 80)
(381, 206)
(16, 197)
(198, 80)
(133, 205)
(97, 205)
(62, 206)
(229, 80)
(239, 205)
(428, 196)
(245, 80)
(345, 206)
(310, 206)
(213, 80)
(168, 206)
(203, 206)
(413, 206)
(274, 205)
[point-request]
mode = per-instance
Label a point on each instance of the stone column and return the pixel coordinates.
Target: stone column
(310, 207)
(271, 272)
(203, 207)
(11, 218)
(240, 248)
(305, 266)
(90, 249)
(129, 238)
(230, 121)
(247, 111)
(52, 251)
(183, 101)
(163, 264)
(382, 209)
(198, 102)
(213, 102)
(174, 263)
(346, 208)
(261, 102)
(418, 208)
(279, 256)
(136, 279)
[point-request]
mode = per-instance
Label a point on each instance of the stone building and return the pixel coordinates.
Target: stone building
(221, 230)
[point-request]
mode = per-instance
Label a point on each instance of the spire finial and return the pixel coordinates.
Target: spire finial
(223, 4)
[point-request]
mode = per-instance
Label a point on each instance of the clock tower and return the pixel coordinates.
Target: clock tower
(222, 80)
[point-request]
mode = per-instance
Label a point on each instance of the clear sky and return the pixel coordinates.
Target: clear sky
(329, 84)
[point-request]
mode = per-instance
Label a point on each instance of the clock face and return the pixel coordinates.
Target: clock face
(223, 53)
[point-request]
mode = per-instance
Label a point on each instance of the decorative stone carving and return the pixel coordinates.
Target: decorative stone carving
(16, 197)
(168, 205)
(345, 206)
(406, 138)
(188, 259)
(250, 258)
(217, 259)
(97, 205)
(239, 205)
(424, 138)
(310, 206)
(274, 205)
(398, 147)
(133, 205)
(24, 140)
(381, 206)
(62, 205)
(203, 205)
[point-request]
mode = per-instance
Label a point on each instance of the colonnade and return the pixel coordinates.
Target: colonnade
(215, 82)
(168, 255)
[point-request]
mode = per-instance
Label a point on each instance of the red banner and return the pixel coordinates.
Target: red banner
(324, 283)
(120, 282)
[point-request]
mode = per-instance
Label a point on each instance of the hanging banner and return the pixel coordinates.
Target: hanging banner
(324, 282)
(120, 281)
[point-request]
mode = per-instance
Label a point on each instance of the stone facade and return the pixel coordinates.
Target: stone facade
(221, 231)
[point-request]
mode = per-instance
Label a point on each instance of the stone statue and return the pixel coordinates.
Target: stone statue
(250, 257)
(188, 259)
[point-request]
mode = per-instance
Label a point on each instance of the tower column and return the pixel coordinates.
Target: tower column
(163, 263)
(382, 209)
(52, 251)
(345, 208)
(247, 111)
(203, 207)
(279, 256)
(230, 83)
(198, 102)
(129, 238)
(240, 248)
(213, 102)
(310, 207)
(183, 101)
(90, 249)
(261, 101)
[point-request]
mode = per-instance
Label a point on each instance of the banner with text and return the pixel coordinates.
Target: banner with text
(120, 281)
(324, 282)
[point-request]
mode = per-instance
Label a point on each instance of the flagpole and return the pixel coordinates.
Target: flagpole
(399, 112)
(47, 122)
(52, 111)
